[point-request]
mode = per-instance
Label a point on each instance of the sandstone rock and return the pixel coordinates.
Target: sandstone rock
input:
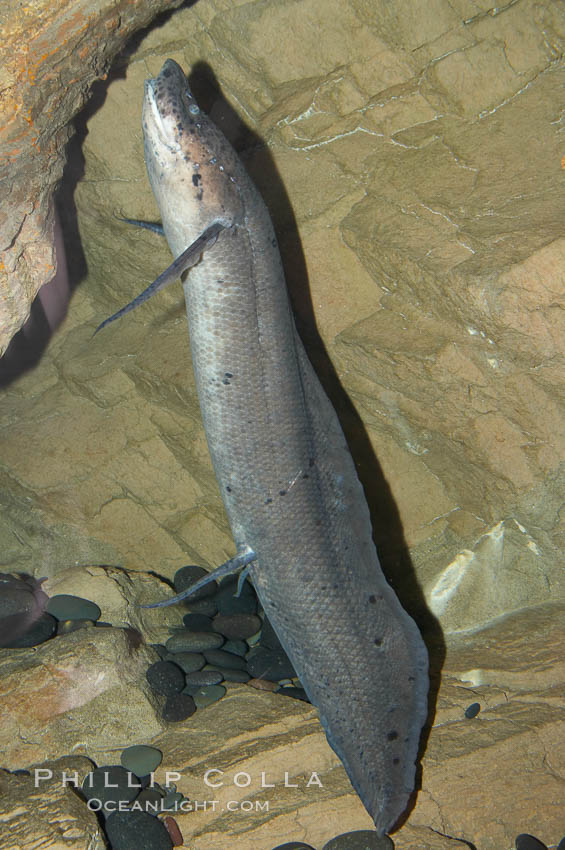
(45, 812)
(81, 692)
(51, 54)
(119, 594)
(483, 780)
(255, 764)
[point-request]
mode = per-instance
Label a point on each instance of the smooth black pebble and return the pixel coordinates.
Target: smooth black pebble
(229, 603)
(178, 707)
(264, 664)
(220, 658)
(197, 622)
(472, 710)
(185, 641)
(64, 606)
(236, 647)
(295, 693)
(528, 842)
(360, 839)
(237, 626)
(111, 784)
(241, 676)
(137, 831)
(201, 606)
(187, 661)
(142, 760)
(269, 637)
(165, 678)
(149, 800)
(187, 576)
(204, 678)
(294, 845)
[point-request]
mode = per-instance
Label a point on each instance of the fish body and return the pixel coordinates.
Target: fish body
(284, 470)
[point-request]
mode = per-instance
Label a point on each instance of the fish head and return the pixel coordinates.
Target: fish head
(194, 172)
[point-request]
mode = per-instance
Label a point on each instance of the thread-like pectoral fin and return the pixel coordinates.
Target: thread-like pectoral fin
(146, 225)
(241, 579)
(232, 566)
(184, 261)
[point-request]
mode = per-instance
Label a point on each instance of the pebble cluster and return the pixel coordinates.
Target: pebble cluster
(129, 803)
(222, 639)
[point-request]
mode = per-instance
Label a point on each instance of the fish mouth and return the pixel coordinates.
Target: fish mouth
(171, 100)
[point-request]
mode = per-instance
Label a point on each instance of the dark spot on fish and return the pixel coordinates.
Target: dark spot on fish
(396, 761)
(411, 678)
(228, 488)
(392, 736)
(166, 73)
(306, 475)
(199, 195)
(268, 501)
(378, 641)
(372, 598)
(226, 378)
(282, 492)
(324, 587)
(196, 178)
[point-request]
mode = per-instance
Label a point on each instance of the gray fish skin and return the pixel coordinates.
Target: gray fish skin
(283, 467)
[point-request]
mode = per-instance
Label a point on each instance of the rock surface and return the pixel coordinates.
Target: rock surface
(435, 268)
(45, 812)
(412, 165)
(273, 777)
(85, 691)
(50, 56)
(120, 593)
